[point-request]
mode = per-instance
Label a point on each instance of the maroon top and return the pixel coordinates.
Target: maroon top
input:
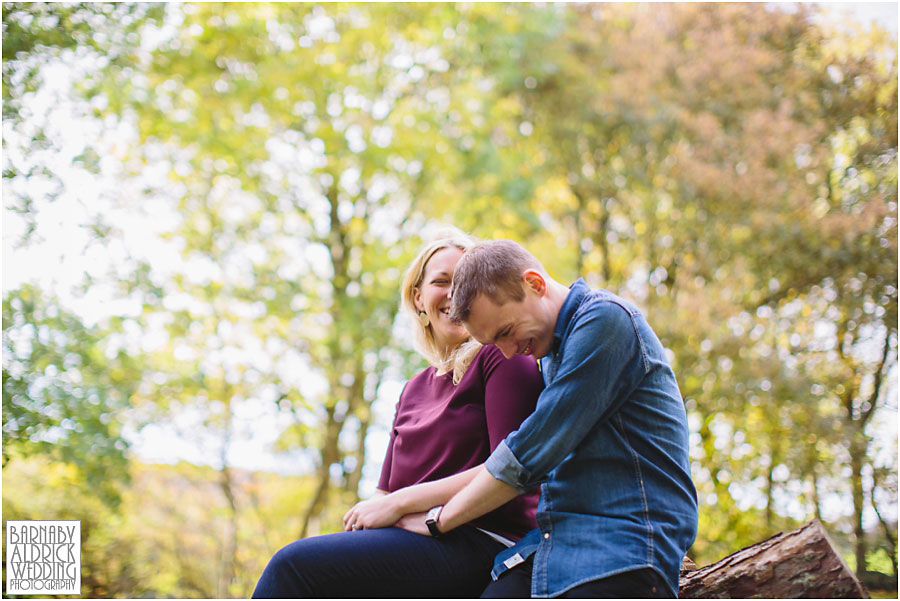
(441, 429)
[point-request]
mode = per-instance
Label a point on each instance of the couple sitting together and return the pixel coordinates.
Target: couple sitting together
(506, 479)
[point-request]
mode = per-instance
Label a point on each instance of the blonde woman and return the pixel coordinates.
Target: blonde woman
(448, 420)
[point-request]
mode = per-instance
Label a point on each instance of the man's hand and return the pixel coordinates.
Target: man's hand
(379, 512)
(414, 522)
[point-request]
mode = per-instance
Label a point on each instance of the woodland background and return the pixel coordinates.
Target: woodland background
(207, 209)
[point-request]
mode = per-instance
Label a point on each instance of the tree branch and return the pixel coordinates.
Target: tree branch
(879, 378)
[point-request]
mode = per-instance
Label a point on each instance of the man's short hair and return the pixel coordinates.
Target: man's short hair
(493, 268)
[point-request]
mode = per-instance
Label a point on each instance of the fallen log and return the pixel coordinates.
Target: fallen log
(802, 564)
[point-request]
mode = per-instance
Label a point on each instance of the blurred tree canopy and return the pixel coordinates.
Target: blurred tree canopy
(62, 383)
(732, 168)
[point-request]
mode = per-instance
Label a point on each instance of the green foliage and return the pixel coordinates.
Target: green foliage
(33, 31)
(732, 168)
(155, 544)
(40, 488)
(65, 386)
(879, 561)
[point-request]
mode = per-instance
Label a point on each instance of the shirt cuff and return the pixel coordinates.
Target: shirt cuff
(504, 466)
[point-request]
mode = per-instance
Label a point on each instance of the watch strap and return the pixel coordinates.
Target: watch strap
(431, 521)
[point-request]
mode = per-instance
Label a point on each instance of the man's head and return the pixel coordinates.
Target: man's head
(503, 296)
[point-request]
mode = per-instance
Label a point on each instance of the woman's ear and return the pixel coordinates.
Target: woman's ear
(417, 300)
(535, 281)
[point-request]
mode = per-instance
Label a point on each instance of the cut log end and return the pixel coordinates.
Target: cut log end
(802, 564)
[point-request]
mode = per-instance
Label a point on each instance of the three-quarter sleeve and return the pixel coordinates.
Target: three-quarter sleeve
(385, 480)
(511, 390)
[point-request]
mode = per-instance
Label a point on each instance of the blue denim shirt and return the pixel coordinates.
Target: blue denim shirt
(608, 444)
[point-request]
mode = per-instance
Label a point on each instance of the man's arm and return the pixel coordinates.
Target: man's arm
(480, 496)
(385, 509)
(601, 362)
(483, 494)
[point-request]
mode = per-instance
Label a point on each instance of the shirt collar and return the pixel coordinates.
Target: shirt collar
(573, 299)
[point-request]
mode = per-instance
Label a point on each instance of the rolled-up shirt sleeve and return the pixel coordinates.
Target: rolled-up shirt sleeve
(503, 465)
(602, 362)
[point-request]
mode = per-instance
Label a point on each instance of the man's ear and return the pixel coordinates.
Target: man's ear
(534, 281)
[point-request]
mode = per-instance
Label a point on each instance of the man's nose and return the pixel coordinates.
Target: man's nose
(507, 347)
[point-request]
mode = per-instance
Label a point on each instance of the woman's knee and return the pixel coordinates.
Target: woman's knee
(283, 576)
(282, 562)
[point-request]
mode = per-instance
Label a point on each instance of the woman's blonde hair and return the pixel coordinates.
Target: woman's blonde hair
(445, 360)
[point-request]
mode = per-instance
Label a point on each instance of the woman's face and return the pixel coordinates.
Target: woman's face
(433, 297)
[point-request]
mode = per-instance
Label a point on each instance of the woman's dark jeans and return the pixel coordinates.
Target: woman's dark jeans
(385, 562)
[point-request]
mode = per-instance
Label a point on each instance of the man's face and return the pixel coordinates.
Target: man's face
(515, 327)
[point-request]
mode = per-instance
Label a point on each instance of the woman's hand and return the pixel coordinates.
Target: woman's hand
(414, 522)
(379, 512)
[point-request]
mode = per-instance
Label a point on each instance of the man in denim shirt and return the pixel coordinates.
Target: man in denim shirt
(607, 443)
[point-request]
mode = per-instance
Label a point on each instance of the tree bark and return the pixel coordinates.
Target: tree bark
(802, 564)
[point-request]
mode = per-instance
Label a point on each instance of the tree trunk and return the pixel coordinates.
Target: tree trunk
(858, 449)
(330, 454)
(817, 500)
(230, 537)
(802, 564)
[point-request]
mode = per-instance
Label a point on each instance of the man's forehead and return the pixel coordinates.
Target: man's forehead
(483, 306)
(485, 318)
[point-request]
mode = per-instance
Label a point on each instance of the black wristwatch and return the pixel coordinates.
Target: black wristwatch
(431, 521)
